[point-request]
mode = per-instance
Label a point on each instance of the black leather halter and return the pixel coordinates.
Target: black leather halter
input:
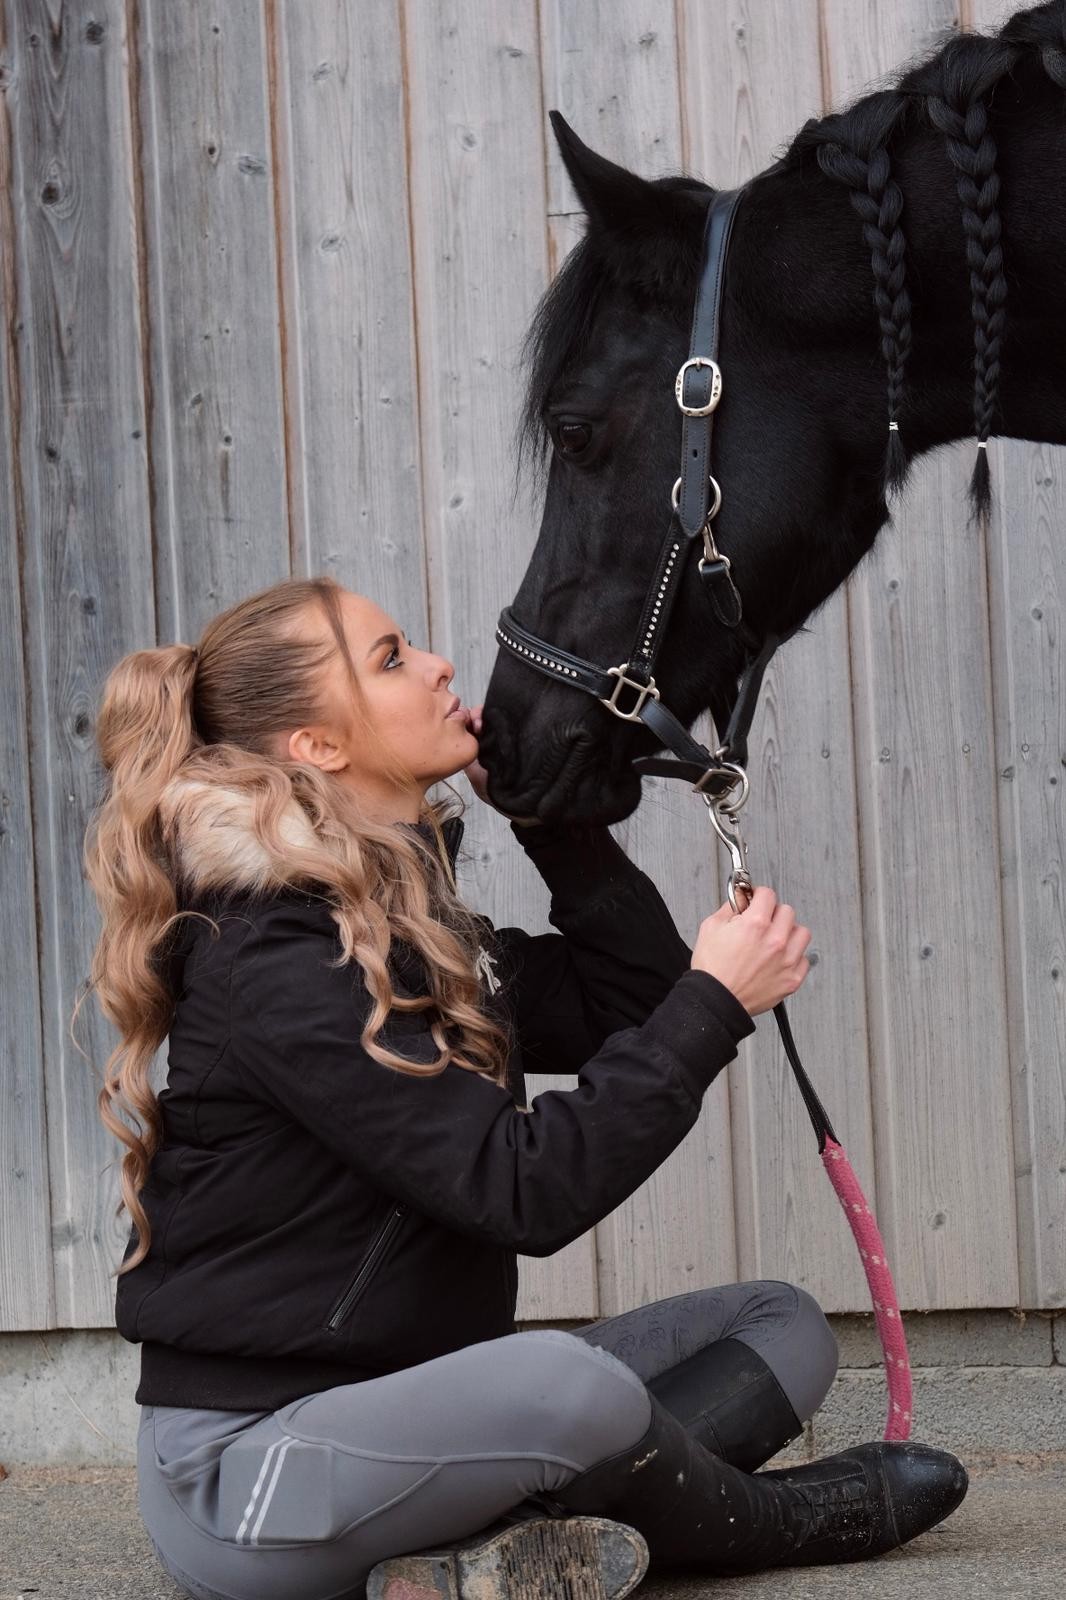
(629, 691)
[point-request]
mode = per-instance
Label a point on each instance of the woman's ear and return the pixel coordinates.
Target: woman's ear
(315, 748)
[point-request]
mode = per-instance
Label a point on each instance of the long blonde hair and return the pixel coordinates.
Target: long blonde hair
(213, 715)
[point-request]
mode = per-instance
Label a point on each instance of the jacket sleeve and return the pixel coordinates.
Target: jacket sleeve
(615, 958)
(454, 1146)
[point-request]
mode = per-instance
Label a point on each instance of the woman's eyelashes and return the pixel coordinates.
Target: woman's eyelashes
(393, 658)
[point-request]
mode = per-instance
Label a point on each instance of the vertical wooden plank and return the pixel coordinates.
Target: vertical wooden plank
(1027, 575)
(476, 146)
(343, 230)
(802, 840)
(206, 180)
(477, 207)
(25, 1242)
(986, 16)
(1028, 603)
(751, 74)
(613, 73)
(752, 77)
(611, 68)
(87, 574)
(927, 817)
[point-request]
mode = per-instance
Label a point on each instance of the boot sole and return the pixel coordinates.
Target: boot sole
(581, 1558)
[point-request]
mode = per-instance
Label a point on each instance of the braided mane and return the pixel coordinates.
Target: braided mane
(951, 92)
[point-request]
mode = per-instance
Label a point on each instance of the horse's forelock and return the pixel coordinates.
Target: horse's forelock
(558, 335)
(655, 264)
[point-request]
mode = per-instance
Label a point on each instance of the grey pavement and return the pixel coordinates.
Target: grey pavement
(74, 1534)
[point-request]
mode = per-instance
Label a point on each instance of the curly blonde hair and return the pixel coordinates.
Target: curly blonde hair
(213, 715)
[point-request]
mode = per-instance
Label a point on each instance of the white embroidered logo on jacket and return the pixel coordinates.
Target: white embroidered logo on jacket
(485, 967)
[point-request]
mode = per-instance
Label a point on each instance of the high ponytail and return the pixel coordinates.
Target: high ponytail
(144, 733)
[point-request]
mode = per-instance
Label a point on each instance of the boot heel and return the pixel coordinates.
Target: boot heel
(584, 1558)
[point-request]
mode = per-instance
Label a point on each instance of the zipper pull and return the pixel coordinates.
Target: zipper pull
(485, 966)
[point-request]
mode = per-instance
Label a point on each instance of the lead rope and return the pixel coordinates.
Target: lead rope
(723, 808)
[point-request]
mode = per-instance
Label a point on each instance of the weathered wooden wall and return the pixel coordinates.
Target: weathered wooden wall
(265, 269)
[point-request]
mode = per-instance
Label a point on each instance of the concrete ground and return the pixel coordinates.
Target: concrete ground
(74, 1534)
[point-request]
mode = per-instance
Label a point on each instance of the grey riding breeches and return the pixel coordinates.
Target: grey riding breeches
(300, 1503)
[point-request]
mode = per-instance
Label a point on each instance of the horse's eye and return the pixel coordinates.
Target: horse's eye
(574, 437)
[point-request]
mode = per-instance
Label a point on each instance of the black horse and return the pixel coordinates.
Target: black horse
(880, 275)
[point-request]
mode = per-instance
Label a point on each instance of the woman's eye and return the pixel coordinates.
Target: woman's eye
(574, 437)
(392, 657)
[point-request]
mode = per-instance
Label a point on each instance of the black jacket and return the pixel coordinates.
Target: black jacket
(318, 1218)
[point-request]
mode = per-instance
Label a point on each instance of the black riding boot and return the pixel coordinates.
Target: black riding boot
(695, 1510)
(731, 1402)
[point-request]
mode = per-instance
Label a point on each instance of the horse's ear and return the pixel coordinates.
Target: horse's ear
(615, 200)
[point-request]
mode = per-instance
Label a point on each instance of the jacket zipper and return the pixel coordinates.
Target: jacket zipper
(371, 1262)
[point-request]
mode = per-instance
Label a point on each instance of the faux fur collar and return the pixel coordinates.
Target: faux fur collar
(208, 828)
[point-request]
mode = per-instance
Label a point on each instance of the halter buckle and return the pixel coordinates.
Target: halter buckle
(716, 386)
(733, 786)
(644, 692)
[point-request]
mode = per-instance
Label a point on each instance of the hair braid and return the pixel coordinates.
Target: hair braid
(964, 122)
(1045, 30)
(952, 89)
(878, 199)
(1054, 60)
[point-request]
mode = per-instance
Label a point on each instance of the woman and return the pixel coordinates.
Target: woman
(328, 1197)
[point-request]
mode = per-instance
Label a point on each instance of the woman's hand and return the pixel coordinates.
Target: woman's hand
(759, 955)
(479, 778)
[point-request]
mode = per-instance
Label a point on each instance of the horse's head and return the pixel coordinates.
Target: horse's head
(794, 452)
(814, 365)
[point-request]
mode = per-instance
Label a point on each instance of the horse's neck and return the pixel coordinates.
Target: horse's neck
(1028, 123)
(1028, 119)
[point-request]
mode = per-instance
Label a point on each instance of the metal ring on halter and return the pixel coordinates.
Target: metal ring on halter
(730, 803)
(675, 496)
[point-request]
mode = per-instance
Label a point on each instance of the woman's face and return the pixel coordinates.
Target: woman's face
(419, 722)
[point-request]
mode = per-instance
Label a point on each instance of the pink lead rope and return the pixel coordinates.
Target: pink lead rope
(867, 1234)
(863, 1225)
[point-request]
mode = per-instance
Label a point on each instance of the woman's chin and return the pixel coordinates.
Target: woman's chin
(465, 755)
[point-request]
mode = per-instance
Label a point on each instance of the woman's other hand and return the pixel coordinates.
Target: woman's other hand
(479, 778)
(758, 955)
